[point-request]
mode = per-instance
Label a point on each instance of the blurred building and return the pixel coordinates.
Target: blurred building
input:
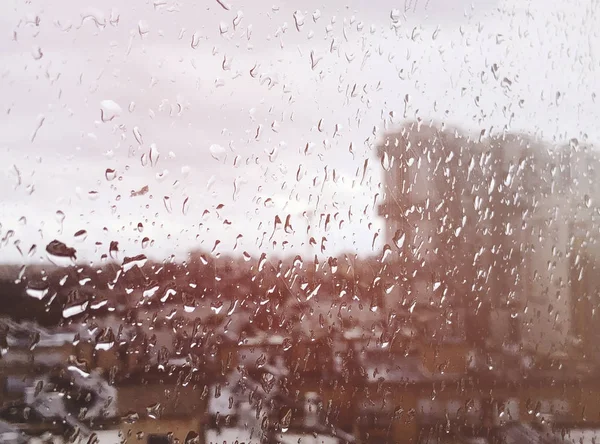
(486, 224)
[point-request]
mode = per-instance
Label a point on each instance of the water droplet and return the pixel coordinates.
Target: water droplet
(113, 249)
(60, 254)
(387, 251)
(195, 40)
(109, 110)
(138, 135)
(143, 28)
(37, 290)
(386, 161)
(131, 417)
(74, 309)
(261, 361)
(80, 235)
(299, 20)
(154, 411)
(105, 340)
(39, 122)
(216, 307)
(314, 59)
(398, 239)
(167, 203)
(37, 53)
(237, 19)
(262, 261)
(95, 16)
(153, 154)
(218, 152)
(135, 261)
(110, 174)
(224, 5)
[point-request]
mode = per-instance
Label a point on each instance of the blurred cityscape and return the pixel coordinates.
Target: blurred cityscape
(476, 323)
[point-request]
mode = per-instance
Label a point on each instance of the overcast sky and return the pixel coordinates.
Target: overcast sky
(250, 105)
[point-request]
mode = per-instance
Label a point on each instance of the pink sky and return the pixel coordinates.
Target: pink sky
(218, 83)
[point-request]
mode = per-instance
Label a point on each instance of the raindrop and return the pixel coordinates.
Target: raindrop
(105, 340)
(288, 226)
(387, 251)
(110, 174)
(167, 203)
(109, 110)
(143, 28)
(262, 261)
(37, 53)
(314, 59)
(386, 162)
(237, 19)
(226, 6)
(192, 437)
(189, 304)
(299, 20)
(131, 417)
(216, 307)
(135, 261)
(218, 152)
(399, 238)
(195, 40)
(506, 84)
(148, 293)
(60, 218)
(60, 254)
(80, 235)
(138, 135)
(558, 98)
(113, 249)
(261, 361)
(74, 309)
(153, 155)
(37, 290)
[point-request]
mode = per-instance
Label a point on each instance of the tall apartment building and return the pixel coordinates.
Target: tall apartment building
(486, 225)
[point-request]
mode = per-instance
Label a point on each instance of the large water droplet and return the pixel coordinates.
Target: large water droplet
(60, 254)
(37, 290)
(218, 152)
(75, 309)
(109, 110)
(135, 261)
(80, 235)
